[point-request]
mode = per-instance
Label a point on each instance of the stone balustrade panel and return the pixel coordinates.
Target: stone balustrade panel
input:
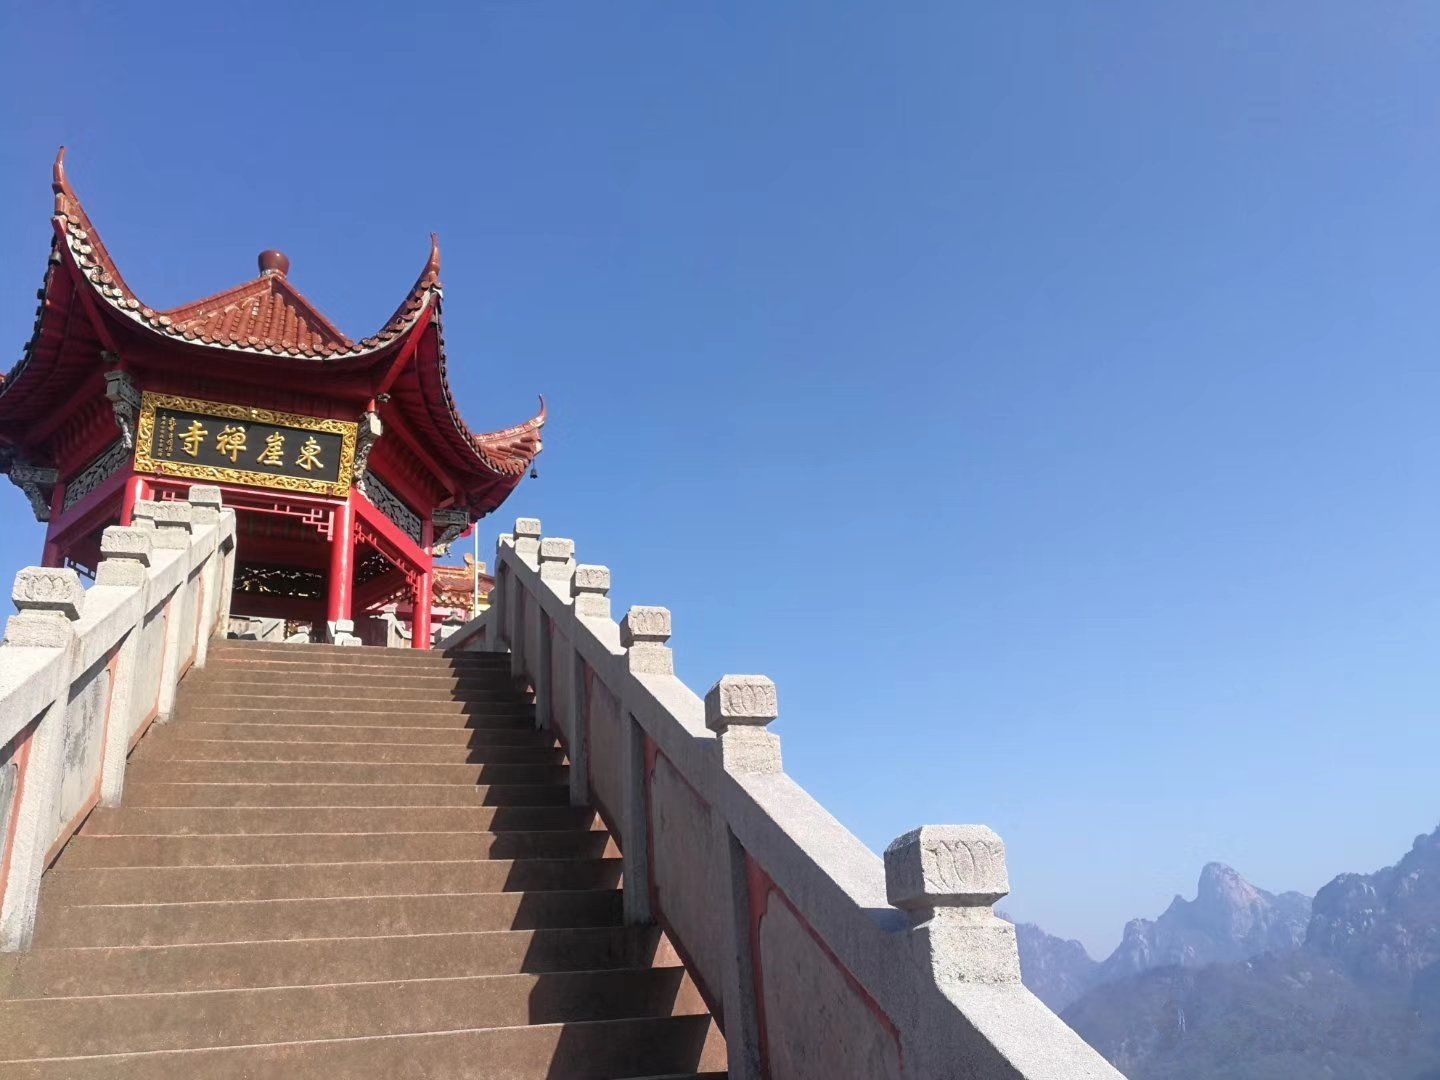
(145, 698)
(603, 739)
(820, 958)
(83, 672)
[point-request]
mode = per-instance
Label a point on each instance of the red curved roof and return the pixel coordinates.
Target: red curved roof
(269, 319)
(266, 316)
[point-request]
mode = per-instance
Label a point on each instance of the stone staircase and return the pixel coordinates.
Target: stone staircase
(346, 863)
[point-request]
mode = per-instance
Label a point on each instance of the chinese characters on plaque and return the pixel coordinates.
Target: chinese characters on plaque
(235, 444)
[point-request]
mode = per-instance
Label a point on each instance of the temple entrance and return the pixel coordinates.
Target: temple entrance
(346, 462)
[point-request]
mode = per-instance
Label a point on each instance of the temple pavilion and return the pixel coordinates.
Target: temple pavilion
(347, 462)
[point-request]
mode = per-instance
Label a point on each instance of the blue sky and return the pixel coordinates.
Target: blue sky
(1044, 397)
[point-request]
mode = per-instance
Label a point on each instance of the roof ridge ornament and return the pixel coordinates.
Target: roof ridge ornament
(274, 263)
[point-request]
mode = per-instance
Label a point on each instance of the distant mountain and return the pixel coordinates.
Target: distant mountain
(1283, 1016)
(1056, 971)
(1229, 919)
(1385, 926)
(1357, 999)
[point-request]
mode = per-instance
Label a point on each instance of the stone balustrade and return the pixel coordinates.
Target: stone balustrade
(818, 958)
(83, 673)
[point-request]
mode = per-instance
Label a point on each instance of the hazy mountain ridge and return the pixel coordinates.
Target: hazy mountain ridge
(1383, 926)
(1229, 919)
(1356, 997)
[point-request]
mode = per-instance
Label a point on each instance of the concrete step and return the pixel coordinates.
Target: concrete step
(66, 972)
(388, 713)
(166, 792)
(295, 881)
(174, 745)
(374, 734)
(347, 862)
(586, 1050)
(278, 920)
(340, 687)
(66, 1027)
(264, 850)
(143, 770)
(132, 820)
(358, 680)
(369, 658)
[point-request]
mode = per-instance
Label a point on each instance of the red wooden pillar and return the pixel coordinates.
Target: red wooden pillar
(424, 591)
(135, 488)
(423, 599)
(51, 555)
(342, 564)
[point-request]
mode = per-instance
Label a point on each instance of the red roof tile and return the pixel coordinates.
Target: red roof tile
(268, 312)
(267, 316)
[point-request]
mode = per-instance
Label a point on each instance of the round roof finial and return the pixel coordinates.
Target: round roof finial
(274, 262)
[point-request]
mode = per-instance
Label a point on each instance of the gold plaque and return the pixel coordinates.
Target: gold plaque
(237, 444)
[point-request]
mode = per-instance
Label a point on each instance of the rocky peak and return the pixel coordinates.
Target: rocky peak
(1386, 925)
(1229, 919)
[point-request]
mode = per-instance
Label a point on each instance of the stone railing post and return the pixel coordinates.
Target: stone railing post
(644, 633)
(205, 503)
(48, 603)
(497, 636)
(527, 539)
(738, 708)
(590, 591)
(124, 564)
(947, 879)
(590, 594)
(171, 522)
(227, 573)
(524, 637)
(557, 566)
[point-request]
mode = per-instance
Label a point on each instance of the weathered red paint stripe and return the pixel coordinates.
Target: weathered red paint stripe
(22, 744)
(761, 886)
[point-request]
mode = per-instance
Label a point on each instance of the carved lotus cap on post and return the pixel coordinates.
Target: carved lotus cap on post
(644, 632)
(173, 521)
(527, 538)
(590, 579)
(125, 552)
(127, 542)
(946, 866)
(557, 563)
(748, 700)
(168, 511)
(590, 590)
(645, 625)
(48, 589)
(205, 503)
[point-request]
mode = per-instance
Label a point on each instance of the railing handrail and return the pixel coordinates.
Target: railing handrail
(908, 944)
